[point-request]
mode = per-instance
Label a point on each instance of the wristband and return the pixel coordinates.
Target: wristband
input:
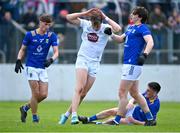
(107, 19)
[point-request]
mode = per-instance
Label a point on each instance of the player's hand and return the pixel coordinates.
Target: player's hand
(48, 62)
(142, 58)
(108, 31)
(18, 66)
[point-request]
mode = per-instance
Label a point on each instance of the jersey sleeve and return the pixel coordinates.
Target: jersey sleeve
(26, 39)
(83, 23)
(54, 39)
(145, 30)
(154, 108)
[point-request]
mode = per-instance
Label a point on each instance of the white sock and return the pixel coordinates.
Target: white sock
(67, 114)
(74, 114)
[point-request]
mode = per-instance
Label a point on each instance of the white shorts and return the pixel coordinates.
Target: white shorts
(131, 72)
(36, 74)
(91, 66)
(130, 112)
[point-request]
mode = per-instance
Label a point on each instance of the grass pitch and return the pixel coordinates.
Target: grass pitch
(49, 112)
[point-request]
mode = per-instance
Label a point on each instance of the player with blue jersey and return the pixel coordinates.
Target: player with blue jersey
(134, 114)
(138, 45)
(37, 44)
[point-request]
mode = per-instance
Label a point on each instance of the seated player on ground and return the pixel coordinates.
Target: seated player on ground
(134, 114)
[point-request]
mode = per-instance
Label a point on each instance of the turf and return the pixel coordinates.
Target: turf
(168, 118)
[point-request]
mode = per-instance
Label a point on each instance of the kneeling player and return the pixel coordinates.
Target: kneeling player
(134, 114)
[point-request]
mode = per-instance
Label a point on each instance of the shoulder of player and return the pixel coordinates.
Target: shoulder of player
(143, 27)
(51, 34)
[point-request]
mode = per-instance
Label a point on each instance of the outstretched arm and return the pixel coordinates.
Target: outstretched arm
(118, 38)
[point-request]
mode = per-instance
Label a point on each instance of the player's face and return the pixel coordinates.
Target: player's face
(150, 93)
(44, 26)
(96, 23)
(135, 18)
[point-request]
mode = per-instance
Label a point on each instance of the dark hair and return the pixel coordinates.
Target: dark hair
(141, 12)
(155, 86)
(46, 18)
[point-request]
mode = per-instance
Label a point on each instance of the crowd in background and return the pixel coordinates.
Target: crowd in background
(25, 12)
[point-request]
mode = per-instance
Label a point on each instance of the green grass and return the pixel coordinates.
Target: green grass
(168, 118)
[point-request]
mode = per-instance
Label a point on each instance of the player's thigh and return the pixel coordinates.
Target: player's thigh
(81, 77)
(125, 85)
(134, 89)
(43, 88)
(34, 85)
(89, 83)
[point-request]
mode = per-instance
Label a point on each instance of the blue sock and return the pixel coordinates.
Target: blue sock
(26, 108)
(149, 116)
(117, 119)
(92, 118)
(35, 117)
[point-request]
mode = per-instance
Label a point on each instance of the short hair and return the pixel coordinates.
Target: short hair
(141, 12)
(46, 18)
(96, 16)
(155, 86)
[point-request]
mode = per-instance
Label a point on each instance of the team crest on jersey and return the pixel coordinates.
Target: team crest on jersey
(92, 37)
(39, 48)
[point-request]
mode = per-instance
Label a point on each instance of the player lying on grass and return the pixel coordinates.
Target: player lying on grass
(134, 113)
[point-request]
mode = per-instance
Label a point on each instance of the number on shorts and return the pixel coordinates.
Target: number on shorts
(131, 70)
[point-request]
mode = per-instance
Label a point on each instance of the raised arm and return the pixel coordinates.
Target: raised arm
(114, 25)
(74, 17)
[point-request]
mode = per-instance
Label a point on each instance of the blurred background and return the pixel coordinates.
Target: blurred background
(19, 16)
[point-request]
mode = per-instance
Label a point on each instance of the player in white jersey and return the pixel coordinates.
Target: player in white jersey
(138, 45)
(94, 39)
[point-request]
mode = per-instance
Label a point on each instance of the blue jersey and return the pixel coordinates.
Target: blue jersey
(134, 43)
(153, 105)
(38, 47)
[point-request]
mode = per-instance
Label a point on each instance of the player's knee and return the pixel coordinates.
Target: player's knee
(112, 112)
(134, 94)
(43, 96)
(79, 90)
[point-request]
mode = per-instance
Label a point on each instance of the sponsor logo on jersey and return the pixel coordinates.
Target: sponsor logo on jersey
(39, 48)
(92, 37)
(34, 40)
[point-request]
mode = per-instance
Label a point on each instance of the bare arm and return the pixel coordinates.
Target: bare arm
(118, 38)
(150, 43)
(114, 25)
(21, 52)
(56, 52)
(74, 17)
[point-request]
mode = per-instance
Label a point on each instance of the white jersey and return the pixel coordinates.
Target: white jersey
(93, 42)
